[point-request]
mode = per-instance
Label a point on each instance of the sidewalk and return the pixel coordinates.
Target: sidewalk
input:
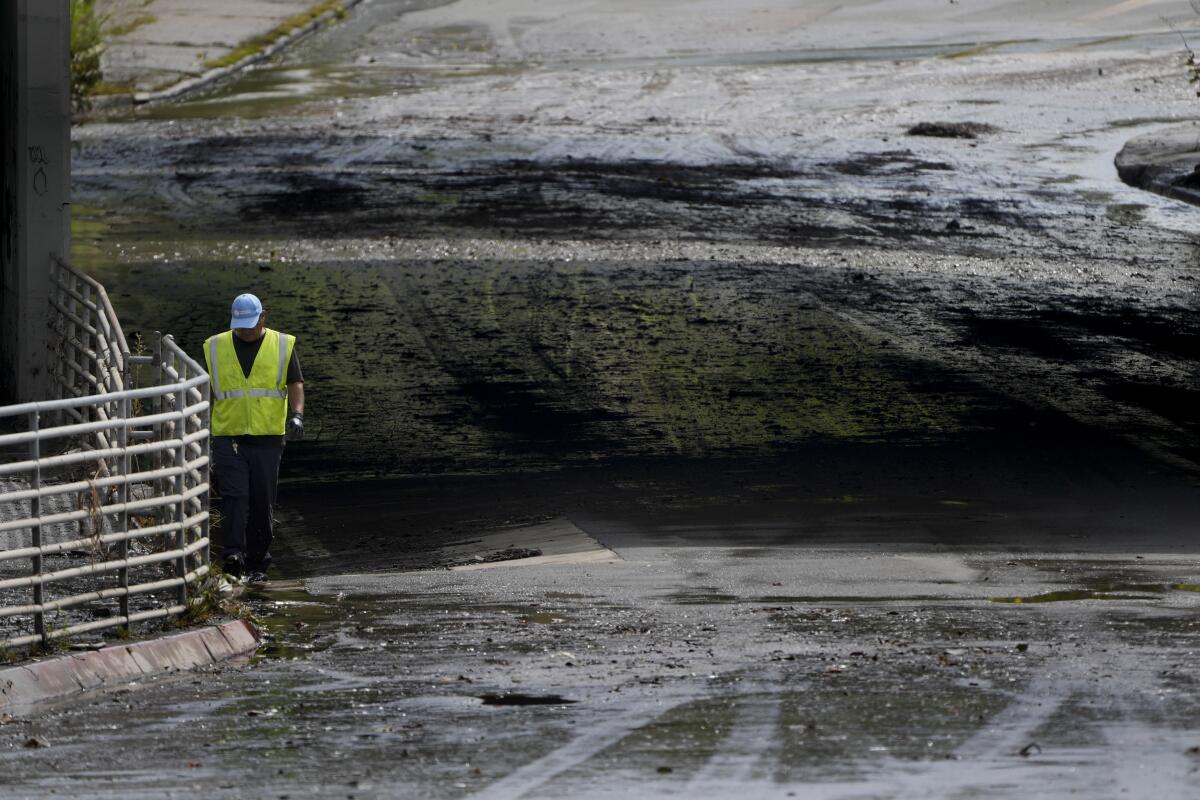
(158, 49)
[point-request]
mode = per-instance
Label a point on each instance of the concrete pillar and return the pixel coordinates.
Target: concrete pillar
(35, 221)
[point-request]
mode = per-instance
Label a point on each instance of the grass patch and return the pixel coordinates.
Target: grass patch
(87, 43)
(106, 88)
(126, 28)
(57, 641)
(259, 43)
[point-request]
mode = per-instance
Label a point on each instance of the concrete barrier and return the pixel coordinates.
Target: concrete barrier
(1164, 161)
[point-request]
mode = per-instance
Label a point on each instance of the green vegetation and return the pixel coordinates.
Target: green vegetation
(207, 601)
(257, 44)
(58, 640)
(86, 46)
(128, 27)
(104, 88)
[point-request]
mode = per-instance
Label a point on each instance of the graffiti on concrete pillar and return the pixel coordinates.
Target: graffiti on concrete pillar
(40, 182)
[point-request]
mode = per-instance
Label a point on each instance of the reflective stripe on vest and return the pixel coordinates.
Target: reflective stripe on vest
(253, 405)
(236, 393)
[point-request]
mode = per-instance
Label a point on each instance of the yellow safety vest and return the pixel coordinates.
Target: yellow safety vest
(255, 405)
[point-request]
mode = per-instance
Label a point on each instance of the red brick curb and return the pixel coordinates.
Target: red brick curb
(77, 673)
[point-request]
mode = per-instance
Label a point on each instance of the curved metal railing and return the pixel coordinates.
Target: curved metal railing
(104, 517)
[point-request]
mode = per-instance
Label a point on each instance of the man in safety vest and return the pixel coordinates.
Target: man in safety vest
(257, 402)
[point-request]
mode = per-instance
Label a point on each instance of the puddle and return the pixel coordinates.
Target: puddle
(543, 618)
(702, 599)
(296, 622)
(1105, 587)
(845, 499)
(1102, 585)
(782, 599)
(1126, 593)
(514, 699)
(276, 650)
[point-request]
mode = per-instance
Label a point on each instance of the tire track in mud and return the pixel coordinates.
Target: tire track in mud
(1029, 741)
(1025, 743)
(505, 383)
(531, 777)
(751, 748)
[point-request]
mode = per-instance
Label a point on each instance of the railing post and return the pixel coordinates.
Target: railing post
(89, 414)
(181, 537)
(35, 515)
(70, 341)
(87, 342)
(124, 413)
(206, 473)
(157, 407)
(57, 328)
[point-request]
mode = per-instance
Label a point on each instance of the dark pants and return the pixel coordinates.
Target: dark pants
(247, 475)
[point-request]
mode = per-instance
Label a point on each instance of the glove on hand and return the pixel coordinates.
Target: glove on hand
(295, 426)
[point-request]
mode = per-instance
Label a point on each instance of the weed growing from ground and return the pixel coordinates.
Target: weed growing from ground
(86, 46)
(210, 599)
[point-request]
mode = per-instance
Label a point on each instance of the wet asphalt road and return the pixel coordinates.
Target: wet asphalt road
(746, 641)
(836, 395)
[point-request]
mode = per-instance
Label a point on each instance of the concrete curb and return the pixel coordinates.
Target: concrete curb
(214, 75)
(57, 678)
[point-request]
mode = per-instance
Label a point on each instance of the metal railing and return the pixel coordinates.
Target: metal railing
(115, 474)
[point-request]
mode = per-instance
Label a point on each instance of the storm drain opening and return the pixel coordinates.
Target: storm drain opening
(515, 699)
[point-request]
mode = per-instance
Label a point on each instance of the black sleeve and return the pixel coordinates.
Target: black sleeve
(294, 375)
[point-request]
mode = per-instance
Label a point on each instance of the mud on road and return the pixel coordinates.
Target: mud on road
(496, 687)
(656, 259)
(631, 271)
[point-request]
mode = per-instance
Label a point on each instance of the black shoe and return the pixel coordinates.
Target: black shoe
(234, 566)
(256, 576)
